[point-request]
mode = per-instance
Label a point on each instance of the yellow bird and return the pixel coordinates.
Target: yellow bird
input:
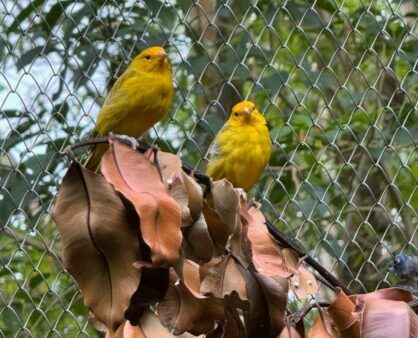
(140, 97)
(242, 148)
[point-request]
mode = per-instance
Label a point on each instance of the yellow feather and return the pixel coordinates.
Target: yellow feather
(139, 98)
(242, 148)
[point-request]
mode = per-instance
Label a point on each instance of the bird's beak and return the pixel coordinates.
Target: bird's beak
(246, 111)
(162, 55)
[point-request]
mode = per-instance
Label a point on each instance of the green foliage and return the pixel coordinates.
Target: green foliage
(337, 82)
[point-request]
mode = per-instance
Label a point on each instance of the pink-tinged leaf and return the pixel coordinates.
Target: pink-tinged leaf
(266, 257)
(303, 282)
(132, 174)
(386, 318)
(98, 247)
(182, 311)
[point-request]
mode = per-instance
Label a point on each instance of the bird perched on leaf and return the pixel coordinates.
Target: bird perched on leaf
(405, 267)
(242, 148)
(140, 97)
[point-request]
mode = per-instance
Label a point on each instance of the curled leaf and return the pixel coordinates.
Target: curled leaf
(184, 312)
(148, 326)
(98, 248)
(268, 301)
(132, 174)
(266, 257)
(225, 280)
(341, 311)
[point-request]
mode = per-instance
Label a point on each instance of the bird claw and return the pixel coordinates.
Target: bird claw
(241, 193)
(134, 142)
(68, 151)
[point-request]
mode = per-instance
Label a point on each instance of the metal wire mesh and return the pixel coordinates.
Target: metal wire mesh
(336, 80)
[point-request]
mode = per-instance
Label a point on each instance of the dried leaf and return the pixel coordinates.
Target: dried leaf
(341, 311)
(152, 288)
(169, 165)
(218, 230)
(303, 282)
(149, 326)
(132, 174)
(268, 301)
(322, 327)
(188, 273)
(198, 243)
(98, 248)
(226, 203)
(289, 332)
(265, 254)
(184, 312)
(225, 280)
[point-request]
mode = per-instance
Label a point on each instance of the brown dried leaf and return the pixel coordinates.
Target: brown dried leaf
(226, 204)
(225, 280)
(188, 273)
(289, 332)
(184, 312)
(322, 327)
(98, 247)
(132, 174)
(303, 282)
(198, 243)
(189, 196)
(268, 301)
(218, 231)
(341, 311)
(152, 288)
(267, 258)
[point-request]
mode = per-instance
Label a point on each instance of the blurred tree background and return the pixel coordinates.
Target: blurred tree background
(337, 81)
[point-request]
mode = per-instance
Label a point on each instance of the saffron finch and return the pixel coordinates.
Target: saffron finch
(139, 98)
(242, 148)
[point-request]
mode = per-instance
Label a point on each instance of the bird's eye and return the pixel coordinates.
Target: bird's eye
(148, 57)
(236, 114)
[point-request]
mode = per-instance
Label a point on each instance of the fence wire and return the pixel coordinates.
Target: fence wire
(337, 81)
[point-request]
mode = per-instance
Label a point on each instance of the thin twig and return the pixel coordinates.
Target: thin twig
(287, 243)
(206, 180)
(300, 314)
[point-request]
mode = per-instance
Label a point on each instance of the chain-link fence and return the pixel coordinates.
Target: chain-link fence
(337, 81)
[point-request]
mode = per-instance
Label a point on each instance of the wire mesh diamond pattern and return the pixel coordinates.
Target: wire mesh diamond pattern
(336, 80)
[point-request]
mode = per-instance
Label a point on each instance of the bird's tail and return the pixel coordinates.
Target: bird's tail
(92, 162)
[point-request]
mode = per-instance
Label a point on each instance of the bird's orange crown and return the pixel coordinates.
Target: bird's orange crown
(151, 59)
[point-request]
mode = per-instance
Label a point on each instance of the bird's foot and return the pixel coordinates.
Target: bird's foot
(134, 142)
(241, 193)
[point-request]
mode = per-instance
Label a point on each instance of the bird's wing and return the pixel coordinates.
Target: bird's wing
(214, 150)
(112, 112)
